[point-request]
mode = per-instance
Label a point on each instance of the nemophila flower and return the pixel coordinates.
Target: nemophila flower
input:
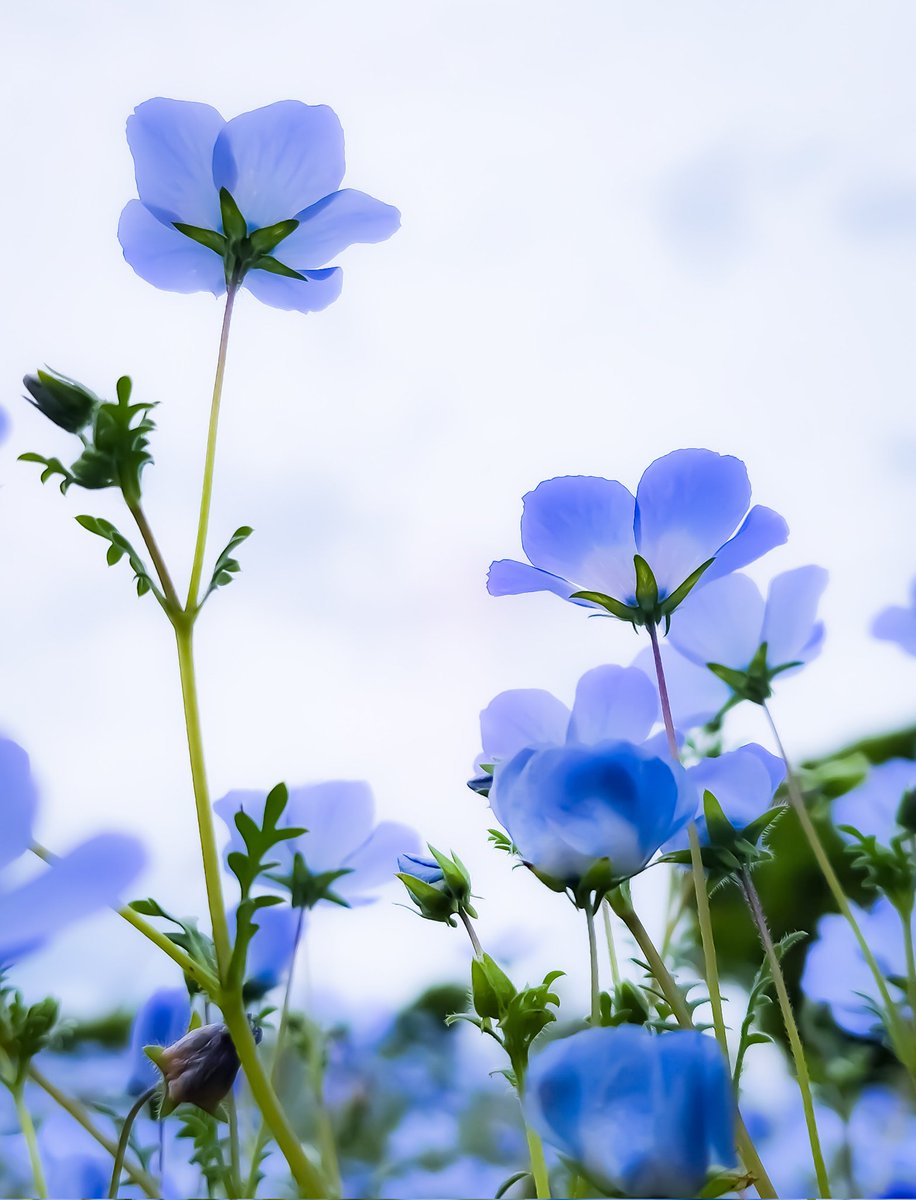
(836, 973)
(342, 838)
(590, 540)
(743, 781)
(898, 624)
(256, 199)
(92, 876)
(873, 806)
(160, 1021)
(640, 1114)
(747, 641)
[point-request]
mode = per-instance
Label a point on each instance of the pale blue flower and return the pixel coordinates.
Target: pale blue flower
(898, 624)
(425, 869)
(279, 163)
(872, 806)
(744, 781)
(641, 1114)
(581, 533)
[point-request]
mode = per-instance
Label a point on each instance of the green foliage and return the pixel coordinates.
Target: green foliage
(210, 1152)
(226, 567)
(890, 870)
(754, 684)
(118, 548)
(240, 250)
(730, 850)
(25, 1029)
(445, 898)
(61, 399)
(199, 946)
(760, 999)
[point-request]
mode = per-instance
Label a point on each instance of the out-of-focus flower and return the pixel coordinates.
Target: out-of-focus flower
(641, 1114)
(341, 835)
(90, 877)
(898, 624)
(272, 949)
(836, 973)
(466, 1176)
(582, 534)
(728, 624)
(199, 1068)
(882, 1144)
(218, 198)
(872, 807)
(159, 1022)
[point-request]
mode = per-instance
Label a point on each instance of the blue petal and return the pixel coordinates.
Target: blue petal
(280, 159)
(425, 869)
(721, 623)
(163, 1019)
(687, 504)
(166, 258)
(836, 974)
(613, 703)
(739, 780)
(338, 816)
(318, 290)
(18, 801)
(519, 718)
(896, 624)
(762, 531)
(580, 528)
(375, 862)
(334, 223)
(510, 578)
(872, 806)
(791, 613)
(91, 877)
(172, 144)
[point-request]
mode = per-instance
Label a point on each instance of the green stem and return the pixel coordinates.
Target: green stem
(121, 1148)
(795, 1043)
(906, 916)
(593, 963)
(234, 1191)
(155, 554)
(81, 1116)
(31, 1141)
(895, 1025)
(472, 933)
(609, 938)
(538, 1164)
(206, 492)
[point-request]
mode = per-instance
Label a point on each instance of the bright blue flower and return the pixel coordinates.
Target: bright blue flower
(425, 869)
(282, 162)
(342, 835)
(898, 624)
(272, 949)
(90, 877)
(872, 806)
(641, 1114)
(580, 533)
(566, 807)
(161, 1020)
(836, 973)
(744, 781)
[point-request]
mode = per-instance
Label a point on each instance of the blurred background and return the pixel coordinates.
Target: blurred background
(625, 229)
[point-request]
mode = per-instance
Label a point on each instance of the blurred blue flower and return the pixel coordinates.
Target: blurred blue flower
(744, 781)
(279, 163)
(694, 694)
(640, 1113)
(836, 974)
(272, 949)
(872, 806)
(339, 817)
(566, 807)
(466, 1176)
(728, 621)
(4, 424)
(898, 624)
(882, 1144)
(581, 532)
(90, 877)
(425, 869)
(160, 1021)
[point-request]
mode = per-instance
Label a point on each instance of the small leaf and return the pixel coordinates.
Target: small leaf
(646, 587)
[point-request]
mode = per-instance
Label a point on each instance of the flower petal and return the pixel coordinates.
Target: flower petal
(721, 623)
(613, 704)
(791, 612)
(761, 531)
(315, 292)
(687, 504)
(507, 577)
(172, 145)
(872, 806)
(272, 948)
(338, 816)
(279, 159)
(375, 862)
(739, 780)
(335, 222)
(519, 718)
(166, 258)
(18, 801)
(896, 624)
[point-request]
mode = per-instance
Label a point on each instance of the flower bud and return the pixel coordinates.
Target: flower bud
(62, 400)
(199, 1068)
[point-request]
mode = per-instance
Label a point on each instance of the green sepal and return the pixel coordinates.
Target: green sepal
(680, 593)
(595, 884)
(616, 608)
(646, 587)
(723, 1182)
(205, 237)
(454, 875)
(234, 225)
(263, 241)
(484, 996)
(65, 401)
(264, 262)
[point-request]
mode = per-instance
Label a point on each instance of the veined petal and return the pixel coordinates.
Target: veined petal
(335, 222)
(166, 258)
(519, 718)
(18, 801)
(613, 704)
(507, 577)
(279, 159)
(761, 531)
(580, 528)
(791, 613)
(172, 145)
(318, 290)
(721, 623)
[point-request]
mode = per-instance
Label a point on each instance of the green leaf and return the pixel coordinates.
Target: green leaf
(670, 603)
(264, 262)
(263, 241)
(758, 999)
(719, 829)
(736, 680)
(226, 567)
(199, 946)
(119, 548)
(53, 466)
(205, 237)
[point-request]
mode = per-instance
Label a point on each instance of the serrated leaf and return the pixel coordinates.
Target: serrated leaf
(120, 547)
(226, 567)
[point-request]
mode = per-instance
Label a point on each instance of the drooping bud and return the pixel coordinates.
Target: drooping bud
(198, 1069)
(62, 400)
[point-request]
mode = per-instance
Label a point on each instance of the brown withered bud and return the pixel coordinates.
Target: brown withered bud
(199, 1068)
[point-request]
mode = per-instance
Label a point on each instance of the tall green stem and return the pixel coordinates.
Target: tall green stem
(595, 988)
(234, 1191)
(795, 1043)
(31, 1141)
(609, 938)
(538, 1164)
(123, 1140)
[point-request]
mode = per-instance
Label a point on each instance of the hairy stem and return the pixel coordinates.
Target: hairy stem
(121, 1148)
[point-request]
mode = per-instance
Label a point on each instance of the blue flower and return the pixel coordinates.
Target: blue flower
(162, 1020)
(744, 781)
(425, 869)
(581, 533)
(898, 624)
(641, 1114)
(90, 877)
(872, 806)
(281, 163)
(567, 807)
(342, 835)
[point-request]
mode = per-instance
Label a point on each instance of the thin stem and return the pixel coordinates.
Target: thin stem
(82, 1117)
(31, 1140)
(593, 963)
(206, 492)
(121, 1148)
(155, 554)
(906, 916)
(475, 941)
(538, 1164)
(795, 1043)
(235, 1162)
(609, 938)
(895, 1025)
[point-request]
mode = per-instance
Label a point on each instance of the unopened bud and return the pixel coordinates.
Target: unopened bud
(62, 400)
(199, 1068)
